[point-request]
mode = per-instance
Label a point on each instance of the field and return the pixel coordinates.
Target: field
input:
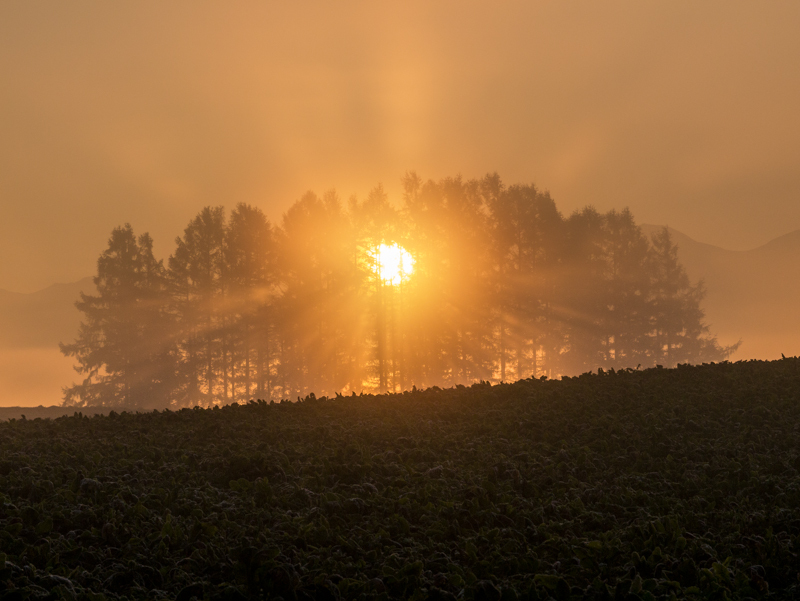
(657, 484)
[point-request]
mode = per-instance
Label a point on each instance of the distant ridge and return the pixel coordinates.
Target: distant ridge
(752, 295)
(787, 243)
(42, 318)
(32, 369)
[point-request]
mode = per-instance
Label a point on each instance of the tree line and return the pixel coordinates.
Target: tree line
(504, 287)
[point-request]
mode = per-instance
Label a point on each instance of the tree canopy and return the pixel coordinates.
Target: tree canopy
(504, 287)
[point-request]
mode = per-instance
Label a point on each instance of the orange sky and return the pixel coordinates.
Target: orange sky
(145, 112)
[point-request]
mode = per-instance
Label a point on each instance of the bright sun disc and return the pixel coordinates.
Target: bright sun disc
(394, 264)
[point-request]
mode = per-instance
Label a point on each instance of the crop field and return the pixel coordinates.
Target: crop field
(656, 484)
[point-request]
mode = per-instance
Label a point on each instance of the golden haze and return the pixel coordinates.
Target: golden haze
(147, 113)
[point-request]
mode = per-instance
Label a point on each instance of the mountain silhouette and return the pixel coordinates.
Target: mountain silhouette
(32, 369)
(751, 295)
(43, 318)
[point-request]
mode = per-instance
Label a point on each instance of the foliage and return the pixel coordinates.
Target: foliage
(504, 288)
(121, 347)
(636, 485)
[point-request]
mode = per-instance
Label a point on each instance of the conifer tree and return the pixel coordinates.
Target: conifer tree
(122, 350)
(625, 317)
(525, 229)
(503, 287)
(582, 299)
(250, 257)
(450, 338)
(198, 285)
(319, 310)
(374, 221)
(679, 334)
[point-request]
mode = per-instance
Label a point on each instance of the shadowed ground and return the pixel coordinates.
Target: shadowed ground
(631, 485)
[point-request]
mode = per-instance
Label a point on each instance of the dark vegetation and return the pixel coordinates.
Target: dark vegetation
(52, 412)
(504, 288)
(657, 484)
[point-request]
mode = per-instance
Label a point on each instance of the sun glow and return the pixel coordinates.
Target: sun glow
(393, 264)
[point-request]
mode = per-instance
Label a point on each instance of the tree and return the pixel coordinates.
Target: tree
(319, 308)
(374, 222)
(122, 348)
(626, 316)
(449, 334)
(198, 284)
(679, 334)
(582, 298)
(250, 258)
(525, 227)
(503, 287)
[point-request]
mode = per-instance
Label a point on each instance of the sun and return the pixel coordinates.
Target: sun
(393, 264)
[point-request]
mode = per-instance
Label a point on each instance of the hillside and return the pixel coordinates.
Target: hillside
(636, 485)
(751, 295)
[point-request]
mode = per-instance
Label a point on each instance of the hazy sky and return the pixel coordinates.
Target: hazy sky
(687, 112)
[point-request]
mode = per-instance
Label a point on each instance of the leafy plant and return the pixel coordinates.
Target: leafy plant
(656, 484)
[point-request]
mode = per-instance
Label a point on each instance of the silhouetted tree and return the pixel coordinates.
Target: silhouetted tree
(679, 334)
(250, 255)
(626, 318)
(526, 227)
(318, 307)
(374, 222)
(121, 347)
(449, 301)
(582, 299)
(503, 288)
(198, 285)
